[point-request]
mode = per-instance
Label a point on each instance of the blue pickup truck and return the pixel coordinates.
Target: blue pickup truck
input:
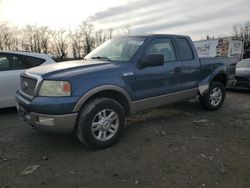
(92, 97)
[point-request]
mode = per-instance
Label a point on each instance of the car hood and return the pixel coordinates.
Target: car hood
(66, 68)
(243, 71)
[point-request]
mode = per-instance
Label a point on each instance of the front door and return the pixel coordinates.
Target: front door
(158, 80)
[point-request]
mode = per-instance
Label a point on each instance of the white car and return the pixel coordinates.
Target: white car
(12, 64)
(242, 75)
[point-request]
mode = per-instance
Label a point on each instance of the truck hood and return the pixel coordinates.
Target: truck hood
(65, 68)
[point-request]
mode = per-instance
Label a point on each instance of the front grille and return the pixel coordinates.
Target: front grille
(28, 85)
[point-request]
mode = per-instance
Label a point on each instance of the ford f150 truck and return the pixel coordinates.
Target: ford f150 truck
(92, 97)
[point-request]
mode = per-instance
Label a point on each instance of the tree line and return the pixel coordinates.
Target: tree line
(240, 30)
(60, 43)
(63, 44)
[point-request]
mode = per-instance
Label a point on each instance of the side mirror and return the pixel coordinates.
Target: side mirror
(152, 60)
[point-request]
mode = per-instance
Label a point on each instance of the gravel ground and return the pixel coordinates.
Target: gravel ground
(180, 145)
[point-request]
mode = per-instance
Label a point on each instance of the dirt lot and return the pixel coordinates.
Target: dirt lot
(176, 146)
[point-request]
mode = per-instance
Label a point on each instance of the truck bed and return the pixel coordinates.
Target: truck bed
(211, 63)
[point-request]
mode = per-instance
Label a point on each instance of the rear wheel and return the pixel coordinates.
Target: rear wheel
(215, 96)
(100, 123)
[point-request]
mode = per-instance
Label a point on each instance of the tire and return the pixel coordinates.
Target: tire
(214, 98)
(100, 123)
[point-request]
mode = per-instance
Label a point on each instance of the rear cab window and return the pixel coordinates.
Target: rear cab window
(185, 50)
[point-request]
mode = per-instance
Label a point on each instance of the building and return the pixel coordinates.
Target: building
(221, 47)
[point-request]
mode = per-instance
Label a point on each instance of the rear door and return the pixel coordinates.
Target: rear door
(11, 66)
(190, 65)
(10, 69)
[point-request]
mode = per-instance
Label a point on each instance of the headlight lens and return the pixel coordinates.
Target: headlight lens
(55, 88)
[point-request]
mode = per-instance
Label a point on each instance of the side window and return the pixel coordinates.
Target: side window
(4, 63)
(185, 49)
(30, 62)
(162, 46)
(10, 62)
(17, 62)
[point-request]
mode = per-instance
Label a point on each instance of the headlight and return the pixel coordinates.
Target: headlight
(55, 88)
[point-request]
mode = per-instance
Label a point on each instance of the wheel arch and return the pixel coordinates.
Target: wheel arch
(221, 77)
(110, 91)
(218, 75)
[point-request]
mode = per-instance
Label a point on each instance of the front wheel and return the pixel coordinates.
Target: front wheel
(100, 123)
(215, 96)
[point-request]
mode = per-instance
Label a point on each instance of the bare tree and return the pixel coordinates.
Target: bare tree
(35, 39)
(110, 33)
(242, 30)
(209, 37)
(28, 38)
(87, 31)
(127, 29)
(45, 35)
(100, 37)
(237, 30)
(5, 37)
(75, 41)
(2, 33)
(60, 43)
(15, 37)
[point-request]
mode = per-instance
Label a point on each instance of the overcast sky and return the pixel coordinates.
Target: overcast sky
(190, 17)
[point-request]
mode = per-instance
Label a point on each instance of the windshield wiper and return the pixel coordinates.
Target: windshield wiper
(101, 58)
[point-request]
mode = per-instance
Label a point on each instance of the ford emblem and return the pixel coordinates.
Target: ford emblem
(25, 85)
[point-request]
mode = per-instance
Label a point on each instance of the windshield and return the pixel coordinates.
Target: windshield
(119, 49)
(244, 63)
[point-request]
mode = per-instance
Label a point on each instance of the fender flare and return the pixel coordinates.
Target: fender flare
(98, 89)
(204, 84)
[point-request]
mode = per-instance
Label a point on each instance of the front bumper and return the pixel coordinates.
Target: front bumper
(53, 123)
(59, 122)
